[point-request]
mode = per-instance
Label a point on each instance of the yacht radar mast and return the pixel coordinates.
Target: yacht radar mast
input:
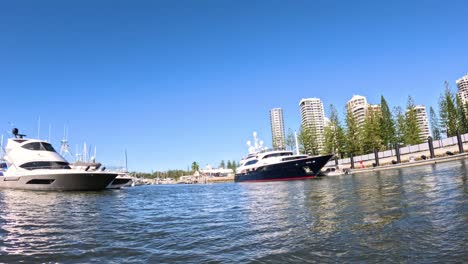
(257, 145)
(64, 146)
(16, 133)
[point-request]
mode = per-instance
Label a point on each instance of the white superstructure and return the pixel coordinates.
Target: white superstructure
(277, 128)
(254, 161)
(313, 116)
(25, 156)
(462, 85)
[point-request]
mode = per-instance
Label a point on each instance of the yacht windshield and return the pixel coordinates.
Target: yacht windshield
(39, 146)
(51, 165)
(251, 162)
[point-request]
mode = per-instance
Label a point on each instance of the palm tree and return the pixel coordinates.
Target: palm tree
(195, 166)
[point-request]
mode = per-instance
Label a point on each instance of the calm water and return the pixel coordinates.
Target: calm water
(410, 215)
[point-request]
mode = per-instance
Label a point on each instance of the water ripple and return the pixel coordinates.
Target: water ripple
(407, 215)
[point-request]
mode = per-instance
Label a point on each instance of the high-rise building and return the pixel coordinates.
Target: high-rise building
(423, 123)
(358, 108)
(277, 128)
(313, 116)
(375, 108)
(462, 84)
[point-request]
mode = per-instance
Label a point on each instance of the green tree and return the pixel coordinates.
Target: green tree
(370, 131)
(412, 130)
(233, 166)
(387, 125)
(448, 112)
(308, 140)
(461, 114)
(399, 125)
(222, 164)
(353, 140)
(195, 166)
(229, 164)
(290, 140)
(435, 127)
(334, 134)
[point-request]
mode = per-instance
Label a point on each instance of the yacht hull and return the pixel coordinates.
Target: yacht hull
(79, 181)
(301, 169)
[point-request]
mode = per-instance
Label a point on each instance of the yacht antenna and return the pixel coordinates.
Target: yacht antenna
(50, 128)
(38, 126)
(84, 153)
(255, 140)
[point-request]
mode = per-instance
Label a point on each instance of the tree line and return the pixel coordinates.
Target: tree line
(382, 128)
(233, 165)
(229, 165)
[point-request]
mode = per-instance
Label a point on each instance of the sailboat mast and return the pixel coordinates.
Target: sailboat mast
(126, 166)
(1, 146)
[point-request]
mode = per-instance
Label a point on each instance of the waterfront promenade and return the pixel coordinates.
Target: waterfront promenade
(412, 163)
(443, 150)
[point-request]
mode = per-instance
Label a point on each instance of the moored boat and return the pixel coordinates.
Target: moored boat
(281, 166)
(34, 164)
(262, 164)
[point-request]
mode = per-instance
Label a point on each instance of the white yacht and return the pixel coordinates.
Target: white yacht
(35, 165)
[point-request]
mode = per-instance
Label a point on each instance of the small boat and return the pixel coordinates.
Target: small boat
(333, 171)
(34, 164)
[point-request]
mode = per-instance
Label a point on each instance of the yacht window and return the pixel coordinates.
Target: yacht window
(251, 162)
(278, 155)
(52, 165)
(39, 146)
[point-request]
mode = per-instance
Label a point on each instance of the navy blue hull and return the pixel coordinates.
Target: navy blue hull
(300, 169)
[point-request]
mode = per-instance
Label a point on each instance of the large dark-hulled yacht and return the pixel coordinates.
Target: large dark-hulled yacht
(280, 166)
(262, 164)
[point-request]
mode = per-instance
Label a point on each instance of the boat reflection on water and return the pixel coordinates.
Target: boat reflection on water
(44, 223)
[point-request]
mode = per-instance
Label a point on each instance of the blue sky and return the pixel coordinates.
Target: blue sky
(180, 81)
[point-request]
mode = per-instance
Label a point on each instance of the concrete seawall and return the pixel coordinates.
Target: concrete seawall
(405, 158)
(412, 164)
